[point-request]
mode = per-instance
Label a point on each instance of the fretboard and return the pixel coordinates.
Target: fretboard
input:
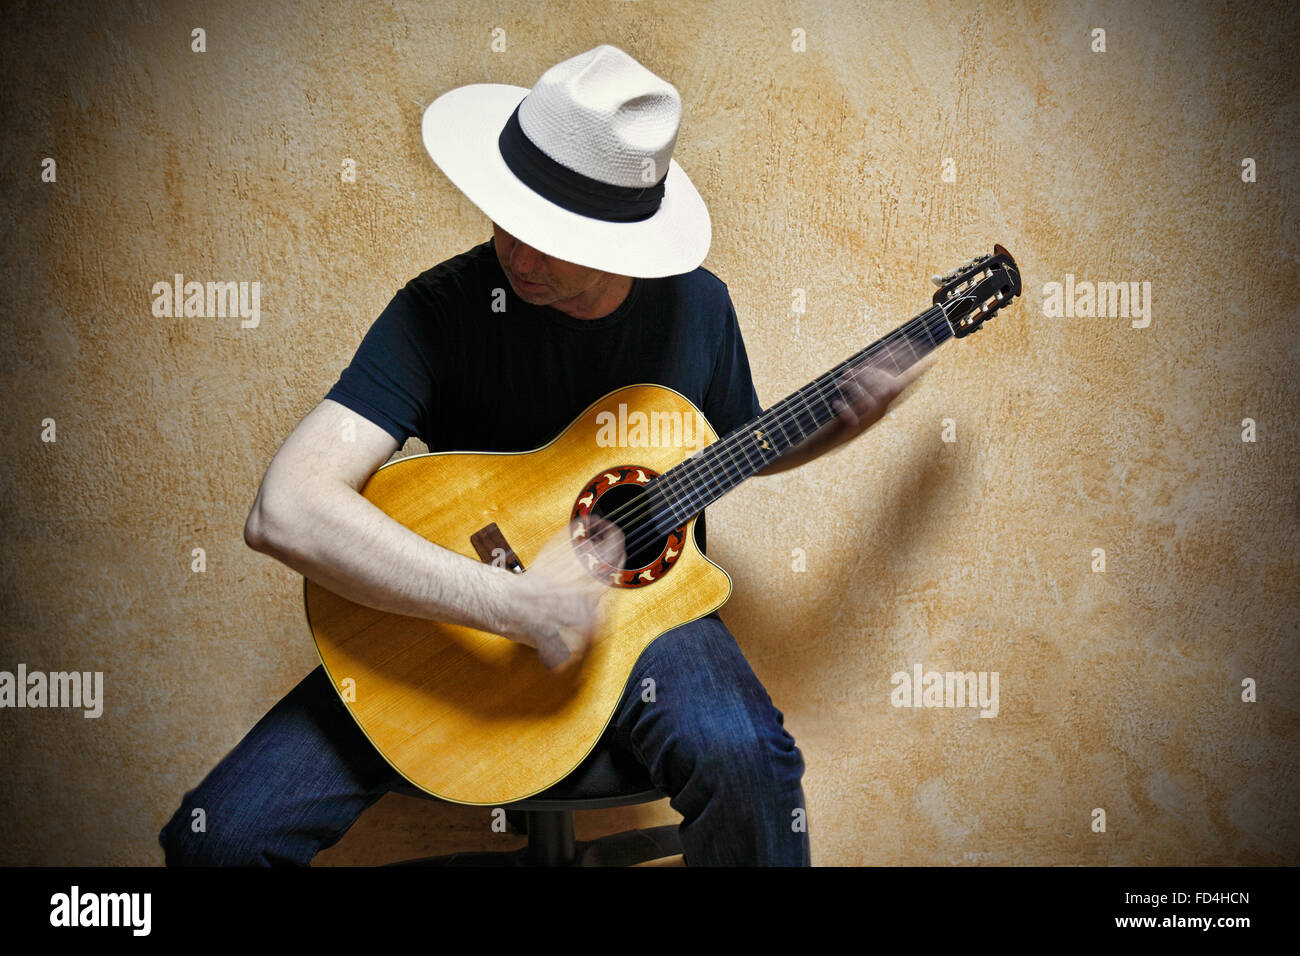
(687, 489)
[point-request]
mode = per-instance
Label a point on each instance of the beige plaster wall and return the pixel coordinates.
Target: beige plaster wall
(822, 169)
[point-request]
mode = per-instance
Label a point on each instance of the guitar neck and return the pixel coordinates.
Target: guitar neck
(687, 489)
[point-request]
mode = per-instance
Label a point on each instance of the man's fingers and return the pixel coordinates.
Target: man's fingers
(866, 389)
(910, 375)
(563, 651)
(866, 394)
(607, 538)
(553, 654)
(882, 385)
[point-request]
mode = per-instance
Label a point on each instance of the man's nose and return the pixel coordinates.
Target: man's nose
(524, 258)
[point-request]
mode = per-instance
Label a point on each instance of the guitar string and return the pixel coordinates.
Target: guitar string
(714, 476)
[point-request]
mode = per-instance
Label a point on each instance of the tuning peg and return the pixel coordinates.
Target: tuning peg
(943, 280)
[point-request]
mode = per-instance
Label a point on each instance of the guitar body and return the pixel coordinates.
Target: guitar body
(475, 718)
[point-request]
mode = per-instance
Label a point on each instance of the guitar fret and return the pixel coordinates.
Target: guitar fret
(929, 335)
(784, 434)
(804, 434)
(830, 410)
(745, 441)
(774, 431)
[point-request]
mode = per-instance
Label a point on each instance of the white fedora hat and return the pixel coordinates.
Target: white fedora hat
(580, 167)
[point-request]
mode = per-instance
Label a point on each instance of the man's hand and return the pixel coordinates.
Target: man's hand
(862, 400)
(556, 603)
(867, 395)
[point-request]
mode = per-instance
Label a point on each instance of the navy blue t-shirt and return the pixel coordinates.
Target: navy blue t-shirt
(439, 363)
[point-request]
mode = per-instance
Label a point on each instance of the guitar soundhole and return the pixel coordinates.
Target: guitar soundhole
(620, 495)
(643, 542)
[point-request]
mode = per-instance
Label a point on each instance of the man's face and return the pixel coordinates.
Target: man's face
(540, 279)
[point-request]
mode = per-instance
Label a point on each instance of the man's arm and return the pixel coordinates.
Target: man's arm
(310, 515)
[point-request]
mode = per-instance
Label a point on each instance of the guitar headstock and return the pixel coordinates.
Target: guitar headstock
(976, 291)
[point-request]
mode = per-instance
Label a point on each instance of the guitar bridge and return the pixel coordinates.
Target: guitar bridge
(493, 548)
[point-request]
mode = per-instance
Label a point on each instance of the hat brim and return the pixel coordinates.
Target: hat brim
(460, 131)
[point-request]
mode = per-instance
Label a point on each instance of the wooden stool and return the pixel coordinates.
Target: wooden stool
(609, 777)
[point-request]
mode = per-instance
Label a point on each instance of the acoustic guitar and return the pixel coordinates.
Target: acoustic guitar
(475, 718)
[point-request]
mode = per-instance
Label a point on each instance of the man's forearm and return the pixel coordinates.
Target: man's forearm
(334, 536)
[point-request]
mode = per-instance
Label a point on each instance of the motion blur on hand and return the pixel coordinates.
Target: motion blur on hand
(559, 601)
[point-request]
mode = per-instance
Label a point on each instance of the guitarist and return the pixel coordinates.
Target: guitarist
(591, 281)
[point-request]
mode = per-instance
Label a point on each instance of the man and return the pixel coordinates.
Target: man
(591, 281)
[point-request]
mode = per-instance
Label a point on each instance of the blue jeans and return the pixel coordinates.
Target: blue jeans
(711, 739)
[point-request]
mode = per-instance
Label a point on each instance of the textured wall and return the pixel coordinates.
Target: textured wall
(823, 170)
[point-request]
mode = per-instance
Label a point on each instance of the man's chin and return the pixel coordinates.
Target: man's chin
(540, 295)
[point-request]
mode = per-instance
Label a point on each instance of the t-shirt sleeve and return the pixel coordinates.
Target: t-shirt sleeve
(390, 380)
(731, 399)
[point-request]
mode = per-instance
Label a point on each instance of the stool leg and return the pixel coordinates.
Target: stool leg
(632, 847)
(550, 838)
